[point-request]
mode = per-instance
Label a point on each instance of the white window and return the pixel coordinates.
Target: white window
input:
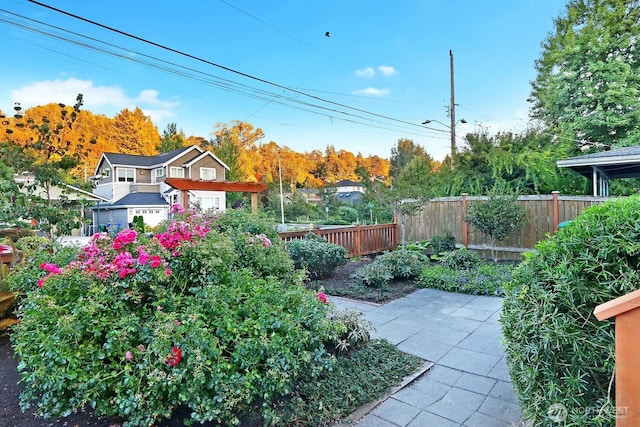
(207, 203)
(155, 174)
(106, 173)
(126, 175)
(207, 174)
(176, 172)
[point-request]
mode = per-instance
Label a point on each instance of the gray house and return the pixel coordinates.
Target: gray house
(134, 185)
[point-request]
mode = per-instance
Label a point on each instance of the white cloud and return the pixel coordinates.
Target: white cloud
(371, 91)
(387, 70)
(366, 72)
(108, 100)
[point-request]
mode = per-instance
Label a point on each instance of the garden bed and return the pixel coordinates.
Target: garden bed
(340, 283)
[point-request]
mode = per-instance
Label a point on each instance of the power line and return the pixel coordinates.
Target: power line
(231, 70)
(197, 75)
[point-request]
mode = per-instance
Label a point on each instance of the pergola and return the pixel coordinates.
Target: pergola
(604, 166)
(185, 185)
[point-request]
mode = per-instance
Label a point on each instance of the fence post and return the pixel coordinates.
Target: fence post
(626, 310)
(356, 248)
(465, 226)
(556, 211)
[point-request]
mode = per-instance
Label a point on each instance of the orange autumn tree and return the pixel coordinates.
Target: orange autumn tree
(132, 132)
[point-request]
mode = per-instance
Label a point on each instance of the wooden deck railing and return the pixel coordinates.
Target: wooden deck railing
(626, 311)
(358, 240)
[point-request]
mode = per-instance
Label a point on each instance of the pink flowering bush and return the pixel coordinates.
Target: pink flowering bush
(200, 316)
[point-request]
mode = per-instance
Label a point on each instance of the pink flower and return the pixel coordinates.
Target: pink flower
(167, 271)
(5, 248)
(51, 268)
(155, 261)
(322, 297)
(142, 347)
(127, 355)
(143, 257)
(40, 282)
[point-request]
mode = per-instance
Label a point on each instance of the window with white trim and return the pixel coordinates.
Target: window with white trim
(126, 175)
(176, 172)
(207, 174)
(208, 202)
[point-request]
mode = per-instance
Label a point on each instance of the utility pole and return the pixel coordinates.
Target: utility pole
(281, 195)
(452, 111)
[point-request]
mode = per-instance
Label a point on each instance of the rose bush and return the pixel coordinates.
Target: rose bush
(138, 327)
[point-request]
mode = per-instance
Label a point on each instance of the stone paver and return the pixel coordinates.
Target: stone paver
(469, 383)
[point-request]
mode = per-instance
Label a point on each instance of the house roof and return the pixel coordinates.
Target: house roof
(138, 199)
(348, 183)
(206, 154)
(615, 164)
(143, 161)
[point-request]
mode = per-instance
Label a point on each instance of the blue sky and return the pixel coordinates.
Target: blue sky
(381, 73)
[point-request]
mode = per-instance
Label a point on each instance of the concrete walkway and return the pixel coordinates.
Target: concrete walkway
(469, 384)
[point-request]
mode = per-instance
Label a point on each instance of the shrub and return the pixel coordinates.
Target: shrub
(460, 259)
(354, 329)
(319, 257)
(137, 327)
(438, 244)
(16, 233)
(402, 263)
(444, 242)
(558, 352)
(374, 275)
(498, 216)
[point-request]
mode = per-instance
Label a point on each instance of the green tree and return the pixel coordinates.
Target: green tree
(498, 216)
(402, 154)
(171, 139)
(588, 78)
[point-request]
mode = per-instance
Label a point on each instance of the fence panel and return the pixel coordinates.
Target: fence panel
(447, 213)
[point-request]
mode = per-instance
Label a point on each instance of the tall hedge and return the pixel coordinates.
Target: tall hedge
(561, 358)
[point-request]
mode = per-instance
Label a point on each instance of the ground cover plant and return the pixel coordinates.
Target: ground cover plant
(464, 271)
(193, 321)
(560, 356)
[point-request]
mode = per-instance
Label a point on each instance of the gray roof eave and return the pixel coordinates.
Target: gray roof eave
(602, 161)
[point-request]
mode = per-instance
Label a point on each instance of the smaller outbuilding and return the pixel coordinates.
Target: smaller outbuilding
(604, 166)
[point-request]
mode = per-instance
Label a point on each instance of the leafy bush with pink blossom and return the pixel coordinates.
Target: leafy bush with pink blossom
(200, 316)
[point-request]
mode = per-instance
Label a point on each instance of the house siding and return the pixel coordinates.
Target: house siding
(207, 162)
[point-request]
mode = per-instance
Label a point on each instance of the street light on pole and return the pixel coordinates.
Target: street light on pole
(452, 112)
(452, 129)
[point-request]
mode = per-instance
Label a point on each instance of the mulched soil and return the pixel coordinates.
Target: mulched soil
(339, 284)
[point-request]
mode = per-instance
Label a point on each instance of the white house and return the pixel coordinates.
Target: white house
(135, 185)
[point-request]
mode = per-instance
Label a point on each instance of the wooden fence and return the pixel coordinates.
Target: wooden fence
(358, 240)
(546, 212)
